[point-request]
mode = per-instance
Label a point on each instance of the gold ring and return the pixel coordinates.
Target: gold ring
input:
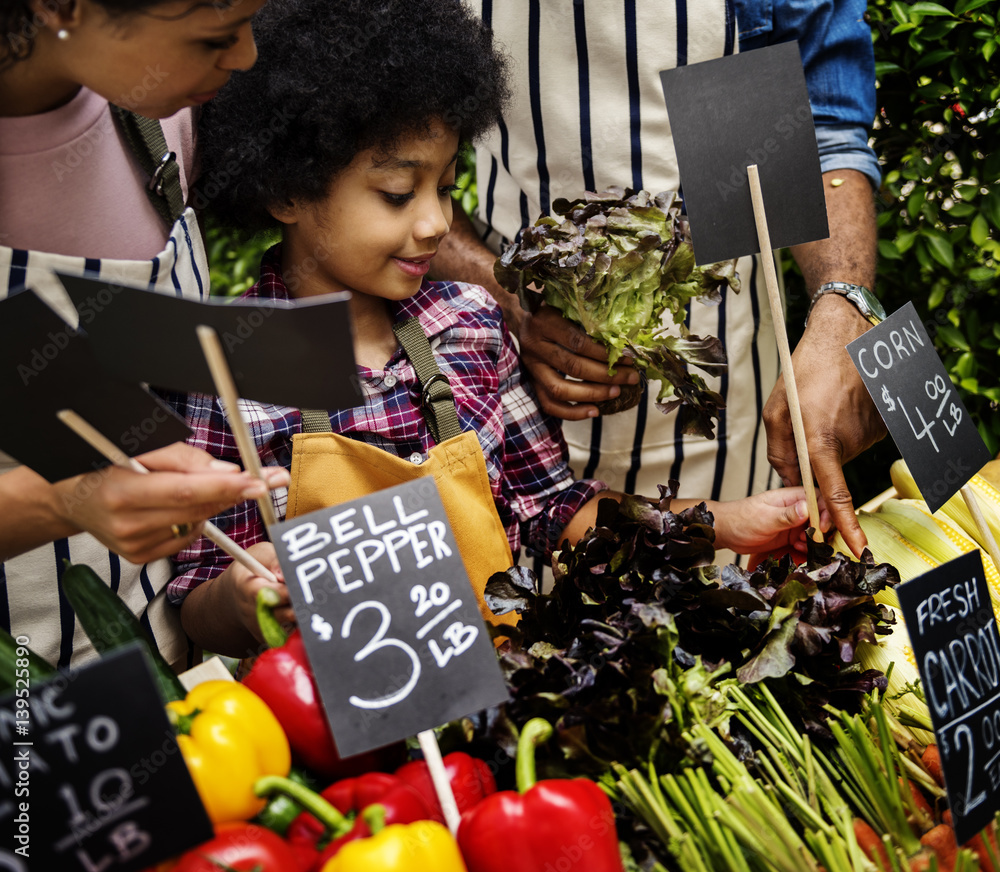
(180, 530)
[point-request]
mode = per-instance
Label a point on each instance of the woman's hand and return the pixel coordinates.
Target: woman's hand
(140, 516)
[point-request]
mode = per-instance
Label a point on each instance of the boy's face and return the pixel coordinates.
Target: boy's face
(380, 224)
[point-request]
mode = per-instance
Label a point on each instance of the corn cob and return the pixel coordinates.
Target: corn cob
(986, 495)
(921, 529)
(962, 543)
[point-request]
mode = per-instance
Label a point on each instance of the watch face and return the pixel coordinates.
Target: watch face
(868, 302)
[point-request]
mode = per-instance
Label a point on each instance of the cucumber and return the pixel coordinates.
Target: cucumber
(110, 625)
(38, 669)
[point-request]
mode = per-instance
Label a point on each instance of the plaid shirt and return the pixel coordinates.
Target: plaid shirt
(525, 454)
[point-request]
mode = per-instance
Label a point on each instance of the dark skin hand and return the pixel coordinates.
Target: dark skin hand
(551, 347)
(840, 419)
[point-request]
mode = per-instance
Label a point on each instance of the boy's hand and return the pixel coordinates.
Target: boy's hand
(242, 586)
(766, 521)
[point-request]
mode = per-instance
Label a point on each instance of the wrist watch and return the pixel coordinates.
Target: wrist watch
(863, 299)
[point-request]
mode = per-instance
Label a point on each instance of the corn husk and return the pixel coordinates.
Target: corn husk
(889, 546)
(955, 509)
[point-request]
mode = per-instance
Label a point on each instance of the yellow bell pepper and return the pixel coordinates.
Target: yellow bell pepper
(424, 846)
(229, 738)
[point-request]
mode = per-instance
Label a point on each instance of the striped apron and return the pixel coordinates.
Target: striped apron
(587, 113)
(31, 599)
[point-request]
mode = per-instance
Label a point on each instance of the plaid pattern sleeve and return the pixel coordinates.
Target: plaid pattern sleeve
(272, 428)
(526, 456)
(538, 481)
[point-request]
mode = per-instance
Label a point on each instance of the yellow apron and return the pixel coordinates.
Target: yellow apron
(328, 469)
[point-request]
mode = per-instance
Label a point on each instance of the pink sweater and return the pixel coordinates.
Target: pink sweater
(69, 185)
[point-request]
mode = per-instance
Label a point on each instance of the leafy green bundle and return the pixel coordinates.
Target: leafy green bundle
(638, 600)
(620, 264)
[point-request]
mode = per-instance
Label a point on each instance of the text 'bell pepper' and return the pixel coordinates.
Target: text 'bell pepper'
(282, 677)
(239, 847)
(423, 846)
(470, 778)
(566, 824)
(401, 803)
(229, 739)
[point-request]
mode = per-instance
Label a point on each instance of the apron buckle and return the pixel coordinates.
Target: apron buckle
(156, 180)
(436, 388)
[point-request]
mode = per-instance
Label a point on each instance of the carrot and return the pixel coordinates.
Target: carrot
(941, 840)
(977, 845)
(869, 843)
(923, 813)
(931, 760)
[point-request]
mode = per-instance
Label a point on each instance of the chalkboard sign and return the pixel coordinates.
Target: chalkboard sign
(388, 616)
(728, 113)
(45, 366)
(94, 779)
(295, 353)
(954, 637)
(920, 405)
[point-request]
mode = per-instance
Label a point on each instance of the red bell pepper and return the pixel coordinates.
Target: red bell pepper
(471, 781)
(565, 824)
(240, 846)
(403, 804)
(282, 678)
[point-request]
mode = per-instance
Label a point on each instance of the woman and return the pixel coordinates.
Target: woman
(74, 183)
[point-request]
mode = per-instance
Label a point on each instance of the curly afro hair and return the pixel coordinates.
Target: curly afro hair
(333, 78)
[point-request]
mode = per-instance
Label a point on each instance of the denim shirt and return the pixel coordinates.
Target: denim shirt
(840, 70)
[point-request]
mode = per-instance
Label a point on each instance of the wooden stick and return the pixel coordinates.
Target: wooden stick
(226, 387)
(442, 786)
(784, 353)
(969, 495)
(100, 443)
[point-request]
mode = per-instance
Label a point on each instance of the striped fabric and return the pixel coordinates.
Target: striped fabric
(588, 113)
(31, 599)
(532, 487)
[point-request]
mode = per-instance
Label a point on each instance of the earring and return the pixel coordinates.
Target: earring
(62, 33)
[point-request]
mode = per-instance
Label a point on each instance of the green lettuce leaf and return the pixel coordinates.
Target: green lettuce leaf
(620, 264)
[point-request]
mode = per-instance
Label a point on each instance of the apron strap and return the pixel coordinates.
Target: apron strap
(149, 147)
(316, 421)
(436, 399)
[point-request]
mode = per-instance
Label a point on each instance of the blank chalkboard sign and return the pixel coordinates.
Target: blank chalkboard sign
(45, 366)
(388, 616)
(94, 779)
(920, 405)
(954, 637)
(729, 113)
(295, 353)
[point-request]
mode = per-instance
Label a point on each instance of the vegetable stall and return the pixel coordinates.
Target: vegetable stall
(664, 712)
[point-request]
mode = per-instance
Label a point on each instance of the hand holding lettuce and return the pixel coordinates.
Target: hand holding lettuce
(620, 265)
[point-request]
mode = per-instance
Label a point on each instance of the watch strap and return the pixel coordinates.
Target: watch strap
(855, 294)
